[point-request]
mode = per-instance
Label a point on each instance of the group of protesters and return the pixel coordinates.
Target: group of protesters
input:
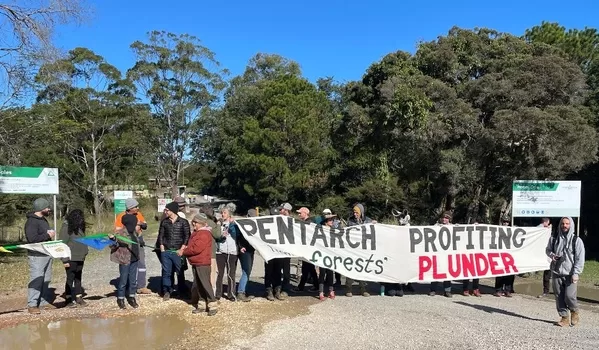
(213, 246)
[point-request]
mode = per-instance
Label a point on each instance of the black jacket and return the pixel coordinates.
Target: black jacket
(36, 229)
(173, 235)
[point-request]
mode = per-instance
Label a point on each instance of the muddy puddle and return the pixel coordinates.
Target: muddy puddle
(152, 332)
(587, 294)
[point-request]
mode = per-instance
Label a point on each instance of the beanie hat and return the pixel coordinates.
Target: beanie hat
(173, 206)
(131, 203)
(41, 204)
(201, 217)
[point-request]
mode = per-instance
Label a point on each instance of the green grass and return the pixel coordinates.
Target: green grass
(591, 272)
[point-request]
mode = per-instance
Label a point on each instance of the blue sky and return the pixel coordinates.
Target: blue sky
(327, 37)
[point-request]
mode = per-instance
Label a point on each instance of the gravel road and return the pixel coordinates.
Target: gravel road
(423, 322)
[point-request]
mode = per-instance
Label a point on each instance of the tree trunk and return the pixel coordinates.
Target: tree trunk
(473, 208)
(175, 180)
(97, 207)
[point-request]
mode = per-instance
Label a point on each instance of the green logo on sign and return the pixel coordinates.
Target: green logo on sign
(535, 186)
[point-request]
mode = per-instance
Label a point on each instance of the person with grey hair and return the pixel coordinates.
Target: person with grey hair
(37, 230)
(567, 254)
(226, 255)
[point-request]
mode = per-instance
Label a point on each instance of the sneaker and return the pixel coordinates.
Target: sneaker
(321, 296)
(365, 294)
(34, 310)
(432, 293)
(332, 294)
(466, 293)
(196, 311)
(80, 301)
(166, 296)
(72, 305)
(349, 294)
(242, 297)
(212, 312)
(542, 295)
(448, 295)
(476, 293)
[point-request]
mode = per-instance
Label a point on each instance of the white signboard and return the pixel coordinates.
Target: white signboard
(400, 254)
(123, 194)
(25, 180)
(531, 198)
(162, 202)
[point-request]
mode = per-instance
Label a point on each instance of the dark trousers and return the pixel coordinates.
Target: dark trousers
(171, 265)
(326, 276)
(446, 286)
(73, 285)
(127, 280)
(286, 267)
(475, 282)
(272, 274)
(141, 269)
(202, 288)
(393, 286)
(337, 278)
(229, 262)
(308, 271)
(546, 281)
(505, 283)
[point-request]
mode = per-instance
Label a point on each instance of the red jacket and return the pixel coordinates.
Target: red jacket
(199, 248)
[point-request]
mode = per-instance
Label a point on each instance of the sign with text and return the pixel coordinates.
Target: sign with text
(25, 180)
(162, 202)
(531, 198)
(401, 254)
(119, 200)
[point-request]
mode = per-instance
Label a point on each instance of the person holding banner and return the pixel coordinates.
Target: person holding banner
(358, 218)
(73, 228)
(308, 269)
(504, 285)
(445, 221)
(37, 230)
(567, 254)
(127, 256)
(132, 207)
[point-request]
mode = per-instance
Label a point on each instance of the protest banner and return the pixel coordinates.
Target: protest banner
(401, 254)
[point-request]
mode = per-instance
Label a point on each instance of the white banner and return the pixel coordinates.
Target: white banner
(401, 254)
(533, 198)
(27, 180)
(56, 250)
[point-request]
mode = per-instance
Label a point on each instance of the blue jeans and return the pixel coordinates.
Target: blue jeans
(40, 275)
(171, 263)
(127, 280)
(246, 260)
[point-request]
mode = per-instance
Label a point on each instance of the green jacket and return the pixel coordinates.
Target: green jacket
(216, 234)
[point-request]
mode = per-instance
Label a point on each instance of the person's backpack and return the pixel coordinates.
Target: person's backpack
(572, 244)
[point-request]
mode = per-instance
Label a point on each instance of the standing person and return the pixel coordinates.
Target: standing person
(545, 223)
(173, 236)
(358, 218)
(38, 230)
(73, 228)
(181, 275)
(246, 260)
(567, 254)
(475, 283)
(445, 221)
(199, 252)
(217, 237)
(325, 276)
(132, 207)
(308, 269)
(127, 256)
(504, 285)
(281, 292)
(226, 255)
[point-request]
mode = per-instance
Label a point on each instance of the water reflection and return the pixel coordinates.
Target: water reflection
(117, 333)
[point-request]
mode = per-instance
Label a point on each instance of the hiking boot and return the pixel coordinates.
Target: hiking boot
(132, 302)
(365, 294)
(476, 293)
(79, 300)
(212, 312)
(348, 294)
(321, 296)
(121, 303)
(448, 295)
(432, 293)
(242, 297)
(564, 322)
(332, 294)
(279, 294)
(72, 305)
(466, 293)
(575, 318)
(166, 296)
(144, 291)
(269, 295)
(34, 310)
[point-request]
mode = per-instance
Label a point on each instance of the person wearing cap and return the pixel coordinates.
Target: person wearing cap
(173, 236)
(199, 253)
(325, 276)
(37, 230)
(132, 207)
(445, 220)
(321, 220)
(308, 269)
